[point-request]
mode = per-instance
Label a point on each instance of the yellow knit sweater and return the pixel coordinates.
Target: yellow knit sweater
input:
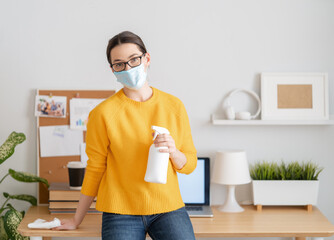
(118, 139)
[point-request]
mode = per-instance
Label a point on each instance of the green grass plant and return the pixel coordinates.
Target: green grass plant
(285, 171)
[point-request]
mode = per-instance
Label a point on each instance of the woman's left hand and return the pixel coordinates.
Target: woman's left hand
(177, 157)
(166, 140)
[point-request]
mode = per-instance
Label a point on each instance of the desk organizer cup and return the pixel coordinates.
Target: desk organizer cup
(76, 173)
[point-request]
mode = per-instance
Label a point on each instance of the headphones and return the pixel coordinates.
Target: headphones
(231, 114)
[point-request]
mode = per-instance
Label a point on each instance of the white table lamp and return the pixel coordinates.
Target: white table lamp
(231, 169)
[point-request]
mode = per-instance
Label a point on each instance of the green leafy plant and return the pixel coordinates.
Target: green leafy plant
(10, 218)
(291, 171)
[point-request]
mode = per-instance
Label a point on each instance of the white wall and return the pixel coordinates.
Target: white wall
(200, 51)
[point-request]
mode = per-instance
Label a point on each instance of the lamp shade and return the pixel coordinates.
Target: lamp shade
(231, 168)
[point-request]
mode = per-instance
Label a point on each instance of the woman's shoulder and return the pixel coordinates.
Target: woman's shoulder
(164, 96)
(173, 102)
(110, 104)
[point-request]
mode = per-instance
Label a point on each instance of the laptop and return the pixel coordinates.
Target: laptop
(195, 189)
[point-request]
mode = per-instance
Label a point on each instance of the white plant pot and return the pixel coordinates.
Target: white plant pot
(282, 192)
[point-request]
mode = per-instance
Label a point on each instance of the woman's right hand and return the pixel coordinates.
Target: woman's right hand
(73, 223)
(67, 224)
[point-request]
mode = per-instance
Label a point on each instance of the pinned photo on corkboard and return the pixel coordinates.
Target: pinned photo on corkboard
(294, 96)
(50, 106)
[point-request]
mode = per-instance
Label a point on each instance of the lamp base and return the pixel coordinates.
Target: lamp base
(230, 204)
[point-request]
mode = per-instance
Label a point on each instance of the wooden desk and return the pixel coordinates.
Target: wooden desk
(270, 222)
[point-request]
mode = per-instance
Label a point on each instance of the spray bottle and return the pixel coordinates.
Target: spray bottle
(157, 165)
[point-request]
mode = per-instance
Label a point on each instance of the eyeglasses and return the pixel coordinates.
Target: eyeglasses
(133, 62)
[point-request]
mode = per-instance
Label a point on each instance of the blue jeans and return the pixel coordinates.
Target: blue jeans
(175, 225)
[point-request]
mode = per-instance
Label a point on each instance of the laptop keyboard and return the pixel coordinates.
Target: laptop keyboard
(194, 208)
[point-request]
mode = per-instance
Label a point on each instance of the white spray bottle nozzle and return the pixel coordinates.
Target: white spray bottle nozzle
(158, 130)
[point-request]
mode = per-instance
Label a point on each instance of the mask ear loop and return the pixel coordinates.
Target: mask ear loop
(148, 79)
(147, 70)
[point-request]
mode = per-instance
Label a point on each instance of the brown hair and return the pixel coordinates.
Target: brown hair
(125, 37)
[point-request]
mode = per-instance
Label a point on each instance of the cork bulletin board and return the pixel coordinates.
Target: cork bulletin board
(54, 168)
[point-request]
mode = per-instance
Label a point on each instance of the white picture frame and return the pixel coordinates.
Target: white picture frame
(294, 96)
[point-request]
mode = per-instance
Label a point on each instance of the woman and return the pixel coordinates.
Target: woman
(118, 139)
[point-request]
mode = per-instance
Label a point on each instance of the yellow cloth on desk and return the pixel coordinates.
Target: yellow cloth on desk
(118, 139)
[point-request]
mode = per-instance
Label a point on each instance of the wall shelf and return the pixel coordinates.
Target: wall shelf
(218, 121)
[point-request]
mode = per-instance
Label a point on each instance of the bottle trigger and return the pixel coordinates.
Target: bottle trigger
(155, 135)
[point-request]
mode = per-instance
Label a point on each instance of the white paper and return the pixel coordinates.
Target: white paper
(84, 157)
(59, 141)
(79, 111)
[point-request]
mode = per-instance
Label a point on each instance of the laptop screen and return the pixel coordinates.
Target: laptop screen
(195, 187)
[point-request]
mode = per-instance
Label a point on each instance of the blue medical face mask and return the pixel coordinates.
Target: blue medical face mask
(133, 78)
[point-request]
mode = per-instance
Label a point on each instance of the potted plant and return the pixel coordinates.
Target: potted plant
(10, 218)
(285, 184)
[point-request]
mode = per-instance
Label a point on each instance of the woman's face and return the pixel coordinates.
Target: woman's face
(127, 51)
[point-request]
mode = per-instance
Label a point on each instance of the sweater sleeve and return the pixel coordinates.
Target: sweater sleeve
(97, 143)
(187, 146)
